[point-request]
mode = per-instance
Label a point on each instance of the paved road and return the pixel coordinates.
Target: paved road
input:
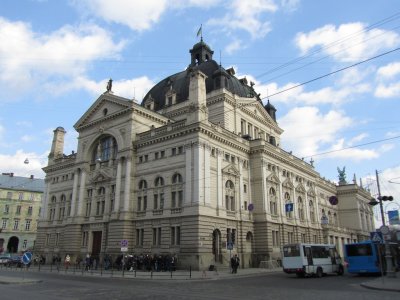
(259, 286)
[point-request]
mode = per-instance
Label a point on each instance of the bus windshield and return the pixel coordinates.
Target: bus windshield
(291, 251)
(359, 250)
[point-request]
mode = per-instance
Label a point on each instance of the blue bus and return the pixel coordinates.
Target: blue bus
(365, 257)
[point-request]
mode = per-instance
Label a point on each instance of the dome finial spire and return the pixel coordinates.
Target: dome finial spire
(200, 32)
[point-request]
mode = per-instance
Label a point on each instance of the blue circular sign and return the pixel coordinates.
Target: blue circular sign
(27, 257)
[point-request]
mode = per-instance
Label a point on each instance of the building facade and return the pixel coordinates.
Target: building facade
(20, 207)
(193, 170)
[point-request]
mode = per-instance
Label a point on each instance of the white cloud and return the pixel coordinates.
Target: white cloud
(348, 42)
(248, 16)
(357, 139)
(128, 88)
(15, 163)
(290, 5)
(138, 15)
(389, 70)
(355, 154)
(27, 138)
(233, 46)
(388, 91)
(312, 137)
(29, 58)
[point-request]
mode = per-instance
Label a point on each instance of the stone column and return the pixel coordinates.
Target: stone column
(188, 176)
(127, 187)
(207, 175)
(118, 187)
(81, 192)
(74, 192)
(198, 174)
(220, 184)
(45, 205)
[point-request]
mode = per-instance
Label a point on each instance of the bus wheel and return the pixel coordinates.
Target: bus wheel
(340, 270)
(319, 272)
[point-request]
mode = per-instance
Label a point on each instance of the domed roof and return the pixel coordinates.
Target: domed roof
(178, 83)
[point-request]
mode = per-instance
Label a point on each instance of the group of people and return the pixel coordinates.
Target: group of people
(145, 262)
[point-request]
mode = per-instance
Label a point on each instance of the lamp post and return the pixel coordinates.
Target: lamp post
(384, 229)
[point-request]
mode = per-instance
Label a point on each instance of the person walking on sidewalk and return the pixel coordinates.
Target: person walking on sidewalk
(235, 261)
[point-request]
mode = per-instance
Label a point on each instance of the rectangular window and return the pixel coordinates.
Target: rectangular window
(145, 203)
(157, 236)
(57, 239)
(161, 201)
(156, 155)
(9, 195)
(48, 236)
(24, 244)
(146, 158)
(245, 205)
(21, 196)
(162, 154)
(139, 237)
(16, 224)
(173, 151)
(140, 159)
(4, 224)
(175, 235)
(180, 149)
(30, 208)
(28, 225)
(18, 212)
(180, 198)
(173, 199)
(6, 209)
(139, 203)
(155, 202)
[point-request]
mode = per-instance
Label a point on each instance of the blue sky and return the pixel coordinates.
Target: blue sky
(57, 56)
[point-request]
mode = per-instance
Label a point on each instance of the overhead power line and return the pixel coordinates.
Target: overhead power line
(331, 73)
(351, 147)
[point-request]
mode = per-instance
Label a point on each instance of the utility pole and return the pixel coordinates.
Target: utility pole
(388, 256)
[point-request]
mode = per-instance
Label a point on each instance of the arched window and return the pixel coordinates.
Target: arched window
(142, 196)
(176, 191)
(142, 184)
(159, 181)
(272, 201)
(177, 178)
(158, 200)
(230, 195)
(105, 150)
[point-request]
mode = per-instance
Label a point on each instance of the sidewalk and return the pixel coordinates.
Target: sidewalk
(384, 283)
(176, 275)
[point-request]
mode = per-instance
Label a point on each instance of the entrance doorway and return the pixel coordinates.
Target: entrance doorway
(217, 246)
(96, 246)
(12, 246)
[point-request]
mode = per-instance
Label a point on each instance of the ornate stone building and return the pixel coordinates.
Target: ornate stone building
(194, 168)
(20, 206)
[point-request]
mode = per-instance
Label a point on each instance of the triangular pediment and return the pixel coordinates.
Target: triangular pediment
(311, 193)
(101, 175)
(288, 184)
(105, 107)
(273, 178)
(300, 188)
(231, 170)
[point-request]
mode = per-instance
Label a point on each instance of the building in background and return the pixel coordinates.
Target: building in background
(20, 207)
(195, 171)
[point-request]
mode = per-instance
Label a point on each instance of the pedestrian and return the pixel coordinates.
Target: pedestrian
(67, 261)
(235, 262)
(87, 262)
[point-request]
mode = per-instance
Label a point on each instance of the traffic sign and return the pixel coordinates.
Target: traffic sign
(384, 229)
(26, 258)
(124, 243)
(288, 207)
(124, 249)
(229, 245)
(376, 237)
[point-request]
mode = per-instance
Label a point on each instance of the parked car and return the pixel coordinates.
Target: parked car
(15, 261)
(4, 259)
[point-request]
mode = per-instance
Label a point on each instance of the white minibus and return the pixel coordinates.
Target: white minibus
(311, 260)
